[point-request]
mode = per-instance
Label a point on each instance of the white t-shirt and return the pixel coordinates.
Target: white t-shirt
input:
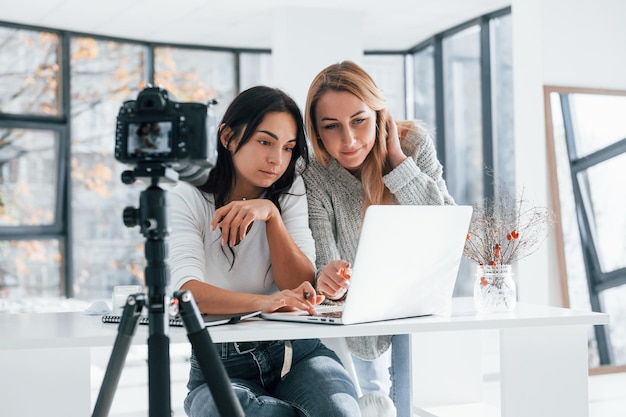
(195, 252)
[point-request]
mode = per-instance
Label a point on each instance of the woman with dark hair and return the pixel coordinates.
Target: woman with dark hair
(241, 242)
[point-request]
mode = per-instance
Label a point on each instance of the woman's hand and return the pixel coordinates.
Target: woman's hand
(236, 217)
(394, 150)
(301, 298)
(334, 280)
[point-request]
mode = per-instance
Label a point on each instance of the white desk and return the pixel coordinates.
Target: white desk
(45, 357)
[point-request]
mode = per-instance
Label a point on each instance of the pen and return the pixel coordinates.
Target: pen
(307, 295)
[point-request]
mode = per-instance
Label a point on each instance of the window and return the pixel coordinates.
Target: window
(29, 72)
(462, 115)
(104, 74)
(388, 74)
(29, 206)
(32, 226)
(462, 88)
(423, 103)
(254, 69)
(29, 177)
(587, 140)
(61, 195)
(501, 114)
(196, 75)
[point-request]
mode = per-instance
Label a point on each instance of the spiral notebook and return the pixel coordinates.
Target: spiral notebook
(209, 319)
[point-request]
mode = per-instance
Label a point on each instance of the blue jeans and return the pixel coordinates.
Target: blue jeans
(394, 381)
(316, 386)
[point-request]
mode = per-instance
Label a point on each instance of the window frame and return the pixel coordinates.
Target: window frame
(597, 280)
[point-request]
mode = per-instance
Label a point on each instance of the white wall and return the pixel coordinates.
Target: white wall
(306, 40)
(584, 43)
(566, 43)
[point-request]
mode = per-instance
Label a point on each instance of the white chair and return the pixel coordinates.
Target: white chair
(340, 347)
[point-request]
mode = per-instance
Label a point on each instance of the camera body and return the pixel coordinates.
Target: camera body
(155, 129)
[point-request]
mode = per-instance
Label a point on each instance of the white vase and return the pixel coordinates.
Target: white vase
(494, 289)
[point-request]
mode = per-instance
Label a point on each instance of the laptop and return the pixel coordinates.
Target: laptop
(406, 265)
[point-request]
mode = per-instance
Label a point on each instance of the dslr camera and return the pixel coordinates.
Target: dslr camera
(155, 129)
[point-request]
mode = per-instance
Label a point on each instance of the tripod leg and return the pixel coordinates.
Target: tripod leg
(125, 332)
(159, 395)
(154, 226)
(208, 359)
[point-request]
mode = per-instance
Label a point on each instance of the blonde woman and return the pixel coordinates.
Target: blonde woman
(363, 157)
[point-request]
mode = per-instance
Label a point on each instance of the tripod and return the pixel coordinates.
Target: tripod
(152, 219)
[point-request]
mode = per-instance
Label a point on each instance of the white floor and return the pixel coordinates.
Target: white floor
(607, 395)
(130, 398)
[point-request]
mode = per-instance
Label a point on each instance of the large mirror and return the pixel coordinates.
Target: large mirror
(586, 147)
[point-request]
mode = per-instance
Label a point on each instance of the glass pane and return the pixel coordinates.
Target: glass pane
(424, 91)
(29, 72)
(462, 115)
(613, 304)
(605, 209)
(197, 75)
(599, 121)
(28, 177)
(106, 253)
(576, 277)
(30, 268)
(578, 290)
(502, 102)
(388, 74)
(254, 69)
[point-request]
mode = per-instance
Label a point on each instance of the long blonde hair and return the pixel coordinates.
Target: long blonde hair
(350, 77)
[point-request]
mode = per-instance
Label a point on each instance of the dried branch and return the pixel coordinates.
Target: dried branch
(505, 230)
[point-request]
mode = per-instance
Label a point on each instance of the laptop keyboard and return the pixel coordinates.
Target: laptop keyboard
(333, 314)
(329, 311)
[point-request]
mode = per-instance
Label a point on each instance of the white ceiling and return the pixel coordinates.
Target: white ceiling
(388, 24)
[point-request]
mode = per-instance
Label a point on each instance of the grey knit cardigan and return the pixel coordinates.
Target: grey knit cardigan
(335, 196)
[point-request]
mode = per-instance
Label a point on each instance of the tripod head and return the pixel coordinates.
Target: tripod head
(150, 215)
